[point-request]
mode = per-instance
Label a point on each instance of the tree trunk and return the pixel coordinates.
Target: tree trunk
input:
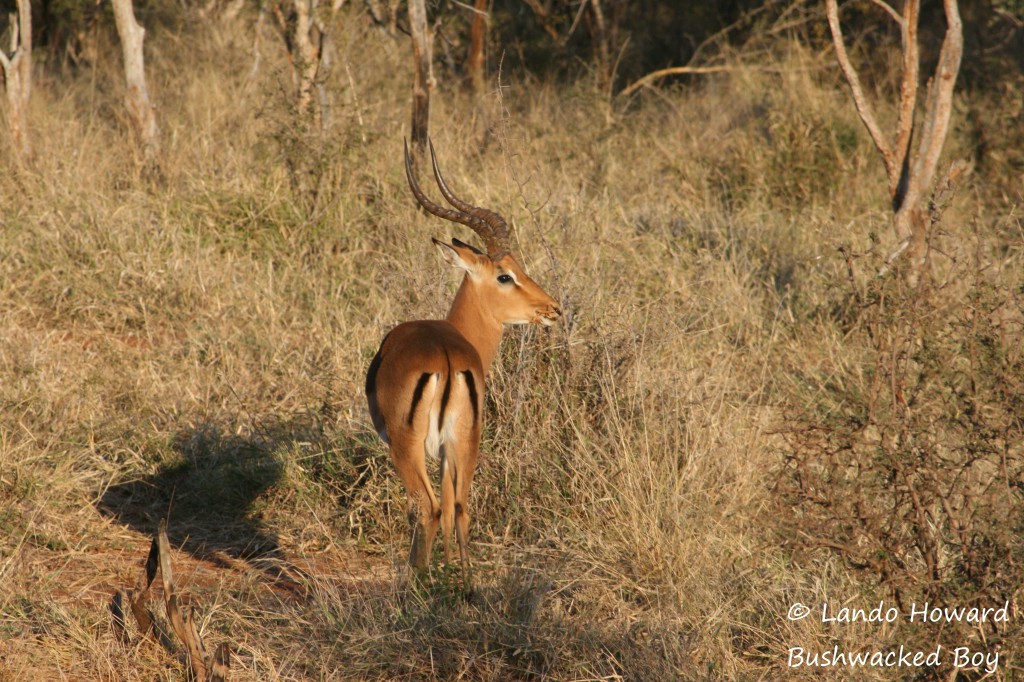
(910, 170)
(423, 80)
(17, 71)
(602, 50)
(308, 43)
(477, 39)
(137, 98)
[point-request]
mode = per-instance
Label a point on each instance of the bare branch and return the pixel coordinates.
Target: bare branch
(202, 667)
(1002, 13)
(671, 71)
(889, 10)
(864, 109)
(602, 48)
(939, 98)
(908, 91)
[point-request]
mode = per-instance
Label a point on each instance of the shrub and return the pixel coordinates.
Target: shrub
(907, 461)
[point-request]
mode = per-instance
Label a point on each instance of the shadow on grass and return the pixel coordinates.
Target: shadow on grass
(522, 625)
(209, 493)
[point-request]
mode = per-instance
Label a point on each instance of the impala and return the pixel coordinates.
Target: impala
(425, 386)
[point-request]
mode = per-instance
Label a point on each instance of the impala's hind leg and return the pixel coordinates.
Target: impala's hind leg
(424, 511)
(463, 457)
(447, 502)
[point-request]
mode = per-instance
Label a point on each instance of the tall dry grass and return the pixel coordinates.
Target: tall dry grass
(194, 347)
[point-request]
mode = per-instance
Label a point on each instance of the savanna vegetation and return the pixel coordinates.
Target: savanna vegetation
(736, 415)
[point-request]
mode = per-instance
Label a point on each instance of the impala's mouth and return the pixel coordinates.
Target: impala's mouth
(550, 317)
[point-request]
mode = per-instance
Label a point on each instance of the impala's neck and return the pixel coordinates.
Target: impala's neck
(474, 319)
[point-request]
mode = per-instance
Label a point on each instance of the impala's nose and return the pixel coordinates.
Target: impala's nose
(550, 316)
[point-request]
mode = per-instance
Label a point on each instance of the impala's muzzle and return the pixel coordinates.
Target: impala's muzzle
(549, 316)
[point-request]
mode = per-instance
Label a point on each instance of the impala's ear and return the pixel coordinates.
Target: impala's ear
(460, 255)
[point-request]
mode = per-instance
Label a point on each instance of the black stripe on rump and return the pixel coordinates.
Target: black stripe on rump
(471, 385)
(417, 394)
(444, 397)
(371, 374)
(371, 393)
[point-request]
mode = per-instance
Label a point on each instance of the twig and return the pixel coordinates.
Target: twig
(575, 22)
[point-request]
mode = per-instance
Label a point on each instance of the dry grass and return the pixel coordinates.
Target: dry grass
(194, 349)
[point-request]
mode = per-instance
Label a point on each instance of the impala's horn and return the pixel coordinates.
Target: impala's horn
(490, 226)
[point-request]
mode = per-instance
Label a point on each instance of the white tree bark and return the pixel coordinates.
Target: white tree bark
(910, 171)
(308, 43)
(307, 38)
(137, 100)
(17, 70)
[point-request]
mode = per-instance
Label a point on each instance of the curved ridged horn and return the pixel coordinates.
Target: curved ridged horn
(487, 224)
(497, 240)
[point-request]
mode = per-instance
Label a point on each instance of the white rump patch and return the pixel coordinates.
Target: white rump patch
(437, 435)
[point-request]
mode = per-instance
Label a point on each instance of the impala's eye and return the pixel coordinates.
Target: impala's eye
(505, 279)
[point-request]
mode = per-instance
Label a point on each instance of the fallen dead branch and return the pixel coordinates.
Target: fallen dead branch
(202, 666)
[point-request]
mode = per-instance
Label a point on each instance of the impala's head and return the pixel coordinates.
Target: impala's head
(495, 278)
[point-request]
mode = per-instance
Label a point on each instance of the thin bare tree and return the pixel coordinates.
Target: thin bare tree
(423, 78)
(602, 44)
(477, 41)
(137, 100)
(307, 39)
(911, 153)
(17, 70)
(310, 39)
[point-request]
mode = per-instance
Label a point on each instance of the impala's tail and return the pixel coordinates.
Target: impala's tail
(371, 394)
